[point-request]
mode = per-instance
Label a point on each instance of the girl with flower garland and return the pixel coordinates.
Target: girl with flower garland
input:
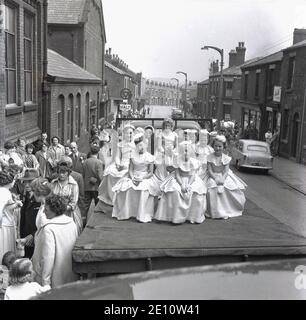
(225, 190)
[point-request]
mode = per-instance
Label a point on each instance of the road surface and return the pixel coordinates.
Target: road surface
(159, 111)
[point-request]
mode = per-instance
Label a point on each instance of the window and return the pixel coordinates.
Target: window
(10, 54)
(228, 89)
(69, 118)
(60, 115)
(126, 82)
(28, 57)
(246, 83)
(87, 111)
(291, 68)
(257, 148)
(257, 85)
(78, 116)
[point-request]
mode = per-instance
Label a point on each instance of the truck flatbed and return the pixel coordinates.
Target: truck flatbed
(108, 246)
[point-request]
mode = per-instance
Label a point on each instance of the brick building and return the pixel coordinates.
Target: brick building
(118, 76)
(260, 107)
(231, 86)
(202, 98)
(72, 97)
(293, 86)
(22, 68)
(162, 92)
(76, 31)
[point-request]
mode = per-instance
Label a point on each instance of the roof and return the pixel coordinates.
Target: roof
(235, 70)
(296, 45)
(116, 69)
(65, 70)
(65, 12)
(204, 82)
(274, 57)
(71, 12)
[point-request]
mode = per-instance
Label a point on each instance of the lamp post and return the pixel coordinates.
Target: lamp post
(177, 91)
(185, 98)
(220, 106)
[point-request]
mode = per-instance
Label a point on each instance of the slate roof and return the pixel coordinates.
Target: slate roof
(65, 70)
(274, 57)
(204, 82)
(296, 45)
(116, 69)
(65, 11)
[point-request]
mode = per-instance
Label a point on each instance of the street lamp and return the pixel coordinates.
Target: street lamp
(185, 100)
(177, 91)
(220, 106)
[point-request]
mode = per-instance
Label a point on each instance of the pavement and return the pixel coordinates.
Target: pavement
(290, 172)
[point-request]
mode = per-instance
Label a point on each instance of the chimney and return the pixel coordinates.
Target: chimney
(110, 51)
(216, 66)
(240, 56)
(232, 58)
(299, 35)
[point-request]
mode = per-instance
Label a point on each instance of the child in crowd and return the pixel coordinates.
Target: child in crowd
(225, 190)
(7, 261)
(183, 192)
(22, 287)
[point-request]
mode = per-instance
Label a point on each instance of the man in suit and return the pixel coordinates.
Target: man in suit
(93, 174)
(78, 158)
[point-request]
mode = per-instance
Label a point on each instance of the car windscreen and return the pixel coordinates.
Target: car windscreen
(257, 148)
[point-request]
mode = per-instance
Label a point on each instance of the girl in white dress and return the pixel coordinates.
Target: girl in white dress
(225, 190)
(167, 143)
(134, 194)
(118, 169)
(202, 150)
(183, 192)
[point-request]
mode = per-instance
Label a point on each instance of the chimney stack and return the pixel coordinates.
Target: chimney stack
(216, 66)
(232, 58)
(110, 51)
(240, 56)
(299, 35)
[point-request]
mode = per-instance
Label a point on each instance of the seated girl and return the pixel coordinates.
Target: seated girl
(119, 168)
(202, 150)
(225, 190)
(183, 192)
(134, 194)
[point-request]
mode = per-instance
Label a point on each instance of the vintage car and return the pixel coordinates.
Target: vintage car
(277, 280)
(252, 154)
(177, 113)
(157, 124)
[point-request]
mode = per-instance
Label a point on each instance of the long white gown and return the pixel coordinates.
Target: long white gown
(112, 174)
(229, 200)
(178, 207)
(136, 201)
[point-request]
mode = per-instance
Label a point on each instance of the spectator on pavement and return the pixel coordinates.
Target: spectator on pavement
(54, 241)
(42, 158)
(20, 146)
(42, 140)
(55, 151)
(29, 160)
(93, 174)
(78, 158)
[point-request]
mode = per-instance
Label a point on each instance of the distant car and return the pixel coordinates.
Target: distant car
(177, 113)
(276, 280)
(252, 154)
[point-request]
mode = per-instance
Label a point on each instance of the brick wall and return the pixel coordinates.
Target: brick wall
(66, 89)
(24, 123)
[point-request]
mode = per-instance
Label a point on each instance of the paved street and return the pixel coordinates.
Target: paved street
(276, 198)
(160, 111)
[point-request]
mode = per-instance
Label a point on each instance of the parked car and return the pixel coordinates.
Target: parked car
(177, 113)
(252, 154)
(277, 280)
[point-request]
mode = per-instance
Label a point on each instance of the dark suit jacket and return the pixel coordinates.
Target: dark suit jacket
(93, 174)
(77, 164)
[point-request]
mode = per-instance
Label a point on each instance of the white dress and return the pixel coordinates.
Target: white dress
(136, 201)
(25, 291)
(229, 200)
(111, 173)
(178, 207)
(202, 151)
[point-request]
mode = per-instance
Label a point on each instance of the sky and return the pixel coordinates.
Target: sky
(161, 37)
